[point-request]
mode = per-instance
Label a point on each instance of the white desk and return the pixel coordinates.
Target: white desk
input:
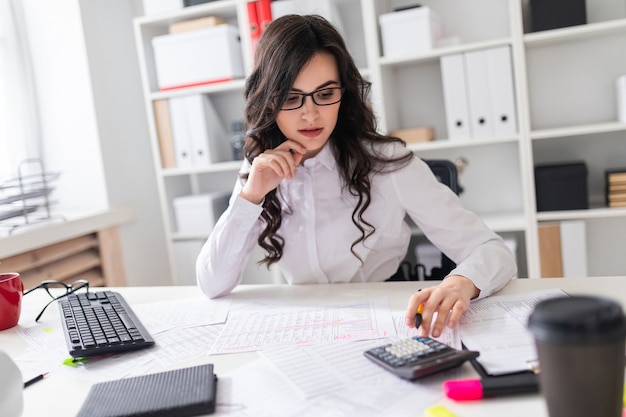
(63, 396)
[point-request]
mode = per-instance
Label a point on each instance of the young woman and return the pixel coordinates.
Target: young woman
(326, 196)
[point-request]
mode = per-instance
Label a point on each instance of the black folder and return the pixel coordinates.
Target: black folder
(182, 392)
(522, 382)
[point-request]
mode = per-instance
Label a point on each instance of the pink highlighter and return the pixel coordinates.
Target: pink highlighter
(475, 389)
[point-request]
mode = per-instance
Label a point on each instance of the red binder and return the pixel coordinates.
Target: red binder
(264, 13)
(253, 25)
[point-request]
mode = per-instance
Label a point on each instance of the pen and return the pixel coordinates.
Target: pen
(474, 389)
(418, 316)
(35, 379)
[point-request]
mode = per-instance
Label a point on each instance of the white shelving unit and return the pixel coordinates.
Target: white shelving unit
(565, 98)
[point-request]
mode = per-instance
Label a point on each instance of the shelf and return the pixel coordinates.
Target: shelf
(437, 53)
(219, 167)
(224, 87)
(593, 213)
(457, 144)
(223, 7)
(577, 130)
(499, 223)
(575, 32)
(184, 238)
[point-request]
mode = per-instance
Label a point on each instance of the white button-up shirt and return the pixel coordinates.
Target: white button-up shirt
(318, 230)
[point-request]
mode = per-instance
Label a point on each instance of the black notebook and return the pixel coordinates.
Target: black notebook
(182, 392)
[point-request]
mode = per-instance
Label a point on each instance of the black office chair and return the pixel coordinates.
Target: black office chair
(446, 173)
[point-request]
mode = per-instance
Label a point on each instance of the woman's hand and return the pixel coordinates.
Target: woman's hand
(270, 168)
(448, 299)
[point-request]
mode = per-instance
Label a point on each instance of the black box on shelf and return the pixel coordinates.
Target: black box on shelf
(561, 186)
(188, 3)
(554, 14)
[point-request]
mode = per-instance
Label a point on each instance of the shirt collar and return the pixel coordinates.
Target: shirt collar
(324, 158)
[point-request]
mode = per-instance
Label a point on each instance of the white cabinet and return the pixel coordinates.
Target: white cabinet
(565, 100)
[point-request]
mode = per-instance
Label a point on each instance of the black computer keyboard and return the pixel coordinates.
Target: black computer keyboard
(101, 322)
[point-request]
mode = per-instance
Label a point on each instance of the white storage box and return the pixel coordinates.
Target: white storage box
(151, 7)
(199, 57)
(409, 32)
(325, 8)
(197, 214)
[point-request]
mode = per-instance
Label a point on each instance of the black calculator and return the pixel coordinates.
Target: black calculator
(418, 357)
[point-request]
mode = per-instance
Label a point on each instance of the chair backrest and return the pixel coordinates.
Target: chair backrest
(446, 172)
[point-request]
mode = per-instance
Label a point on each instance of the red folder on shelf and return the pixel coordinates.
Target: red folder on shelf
(253, 25)
(264, 13)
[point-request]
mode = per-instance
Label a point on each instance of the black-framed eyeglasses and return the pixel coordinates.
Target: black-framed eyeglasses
(52, 284)
(321, 97)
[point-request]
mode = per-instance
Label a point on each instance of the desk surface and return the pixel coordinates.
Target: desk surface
(64, 396)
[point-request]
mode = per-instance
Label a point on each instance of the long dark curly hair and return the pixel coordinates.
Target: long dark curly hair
(286, 46)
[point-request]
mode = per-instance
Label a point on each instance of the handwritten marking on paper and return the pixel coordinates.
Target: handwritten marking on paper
(361, 320)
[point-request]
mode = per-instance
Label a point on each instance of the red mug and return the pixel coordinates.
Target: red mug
(11, 291)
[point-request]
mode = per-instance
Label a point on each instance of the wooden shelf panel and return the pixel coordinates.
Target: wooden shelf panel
(40, 257)
(67, 269)
(96, 257)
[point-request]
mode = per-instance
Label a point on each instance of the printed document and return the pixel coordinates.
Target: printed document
(497, 328)
(297, 325)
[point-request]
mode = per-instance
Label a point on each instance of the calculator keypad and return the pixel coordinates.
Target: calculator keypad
(409, 350)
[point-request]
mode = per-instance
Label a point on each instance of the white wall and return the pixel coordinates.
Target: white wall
(124, 137)
(69, 134)
(94, 123)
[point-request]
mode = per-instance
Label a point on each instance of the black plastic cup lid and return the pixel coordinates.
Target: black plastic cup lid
(578, 319)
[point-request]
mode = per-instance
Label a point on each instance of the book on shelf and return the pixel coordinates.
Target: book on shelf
(617, 199)
(163, 124)
(563, 249)
(196, 24)
(617, 178)
(616, 187)
(551, 263)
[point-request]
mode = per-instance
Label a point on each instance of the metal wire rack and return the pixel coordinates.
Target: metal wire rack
(25, 199)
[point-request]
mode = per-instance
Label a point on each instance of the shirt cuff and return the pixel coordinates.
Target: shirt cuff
(243, 209)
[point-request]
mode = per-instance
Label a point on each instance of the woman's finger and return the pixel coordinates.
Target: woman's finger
(457, 311)
(415, 301)
(443, 312)
(293, 146)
